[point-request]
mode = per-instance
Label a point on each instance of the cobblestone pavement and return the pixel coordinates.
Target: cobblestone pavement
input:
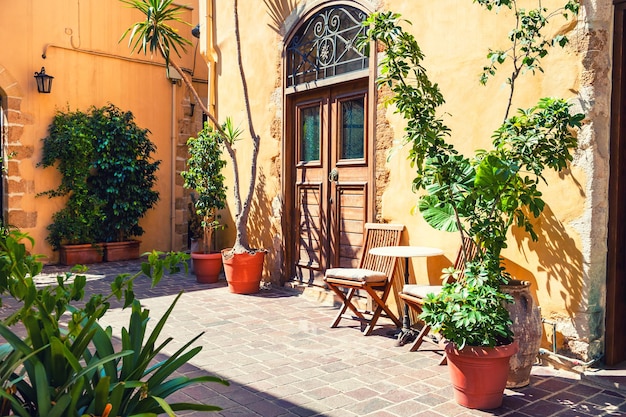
(281, 358)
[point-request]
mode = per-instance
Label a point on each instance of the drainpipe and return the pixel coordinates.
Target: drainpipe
(173, 170)
(553, 353)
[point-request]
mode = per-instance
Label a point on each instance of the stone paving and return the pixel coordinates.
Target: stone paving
(281, 358)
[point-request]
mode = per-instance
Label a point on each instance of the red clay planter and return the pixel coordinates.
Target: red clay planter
(479, 374)
(88, 253)
(121, 251)
(207, 266)
(243, 271)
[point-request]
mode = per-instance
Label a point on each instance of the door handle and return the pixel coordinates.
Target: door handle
(333, 175)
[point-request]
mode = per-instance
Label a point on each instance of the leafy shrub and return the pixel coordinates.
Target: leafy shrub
(67, 365)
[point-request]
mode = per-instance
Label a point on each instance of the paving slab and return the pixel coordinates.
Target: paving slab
(282, 359)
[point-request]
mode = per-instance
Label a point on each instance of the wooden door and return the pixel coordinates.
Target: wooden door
(331, 178)
(615, 335)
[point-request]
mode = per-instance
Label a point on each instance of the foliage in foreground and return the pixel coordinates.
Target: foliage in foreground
(67, 364)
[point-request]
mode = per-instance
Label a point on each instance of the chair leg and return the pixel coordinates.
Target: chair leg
(380, 307)
(420, 338)
(347, 303)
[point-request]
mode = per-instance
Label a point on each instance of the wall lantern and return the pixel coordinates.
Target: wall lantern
(44, 81)
(196, 31)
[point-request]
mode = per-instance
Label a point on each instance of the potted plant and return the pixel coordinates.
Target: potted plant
(204, 176)
(243, 265)
(481, 196)
(471, 317)
(74, 229)
(123, 176)
(107, 173)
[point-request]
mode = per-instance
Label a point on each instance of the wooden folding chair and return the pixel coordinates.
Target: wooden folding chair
(374, 274)
(414, 295)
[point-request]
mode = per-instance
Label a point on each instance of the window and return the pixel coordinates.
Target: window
(325, 46)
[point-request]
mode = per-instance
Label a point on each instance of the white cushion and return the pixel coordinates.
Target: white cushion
(356, 274)
(421, 291)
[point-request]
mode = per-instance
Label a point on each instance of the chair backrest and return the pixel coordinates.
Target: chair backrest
(467, 252)
(376, 235)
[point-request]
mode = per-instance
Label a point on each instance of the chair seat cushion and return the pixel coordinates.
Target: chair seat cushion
(356, 274)
(420, 291)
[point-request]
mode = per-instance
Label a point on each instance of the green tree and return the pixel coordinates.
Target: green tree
(156, 35)
(483, 195)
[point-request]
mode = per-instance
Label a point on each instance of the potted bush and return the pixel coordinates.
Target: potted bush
(243, 265)
(481, 196)
(74, 229)
(471, 317)
(107, 175)
(204, 176)
(123, 176)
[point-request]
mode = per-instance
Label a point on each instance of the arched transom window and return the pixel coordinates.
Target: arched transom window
(324, 46)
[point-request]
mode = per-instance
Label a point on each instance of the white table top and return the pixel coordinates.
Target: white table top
(406, 251)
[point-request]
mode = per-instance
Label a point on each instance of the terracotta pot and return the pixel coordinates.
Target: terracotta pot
(121, 251)
(89, 253)
(207, 266)
(527, 330)
(243, 271)
(479, 374)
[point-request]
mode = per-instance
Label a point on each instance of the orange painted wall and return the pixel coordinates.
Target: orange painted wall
(80, 41)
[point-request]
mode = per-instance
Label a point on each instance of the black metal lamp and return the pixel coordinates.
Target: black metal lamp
(44, 81)
(196, 31)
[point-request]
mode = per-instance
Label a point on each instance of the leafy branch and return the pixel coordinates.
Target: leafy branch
(528, 44)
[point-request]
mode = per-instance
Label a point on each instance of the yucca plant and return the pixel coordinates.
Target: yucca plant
(63, 363)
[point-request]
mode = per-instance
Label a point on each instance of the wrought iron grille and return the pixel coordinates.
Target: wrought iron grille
(325, 46)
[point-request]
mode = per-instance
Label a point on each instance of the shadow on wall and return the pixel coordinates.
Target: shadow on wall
(225, 238)
(279, 11)
(561, 261)
(264, 232)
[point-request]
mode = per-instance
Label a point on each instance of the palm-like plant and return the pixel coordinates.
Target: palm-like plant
(157, 36)
(62, 363)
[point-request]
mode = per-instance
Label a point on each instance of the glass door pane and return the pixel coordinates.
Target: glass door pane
(352, 129)
(310, 134)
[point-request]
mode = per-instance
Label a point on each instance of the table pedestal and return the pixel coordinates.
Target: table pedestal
(406, 334)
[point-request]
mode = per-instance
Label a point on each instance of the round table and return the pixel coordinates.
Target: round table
(406, 333)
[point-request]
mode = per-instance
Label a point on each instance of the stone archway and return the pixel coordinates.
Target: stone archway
(14, 186)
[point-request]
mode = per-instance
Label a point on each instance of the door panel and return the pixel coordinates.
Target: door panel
(310, 225)
(352, 207)
(331, 172)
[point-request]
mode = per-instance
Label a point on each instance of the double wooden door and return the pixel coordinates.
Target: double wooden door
(331, 178)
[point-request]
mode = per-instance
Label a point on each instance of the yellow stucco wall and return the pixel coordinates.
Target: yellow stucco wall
(90, 68)
(455, 36)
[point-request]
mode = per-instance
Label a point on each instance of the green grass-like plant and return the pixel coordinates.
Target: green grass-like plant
(63, 363)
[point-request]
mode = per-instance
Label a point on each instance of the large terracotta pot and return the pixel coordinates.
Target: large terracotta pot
(243, 271)
(527, 330)
(478, 374)
(121, 251)
(207, 266)
(89, 253)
